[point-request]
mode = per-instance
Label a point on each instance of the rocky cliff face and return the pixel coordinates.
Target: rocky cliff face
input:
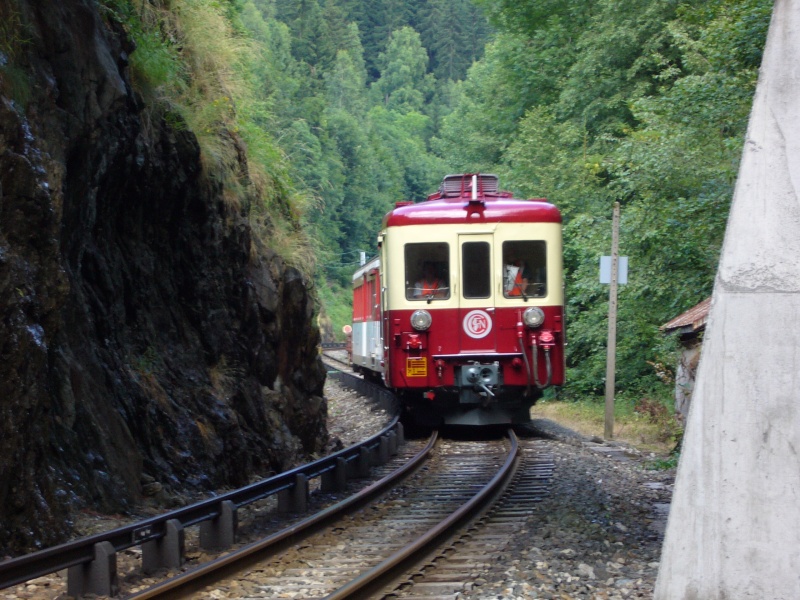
(147, 341)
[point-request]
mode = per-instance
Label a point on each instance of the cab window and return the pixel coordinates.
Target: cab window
(524, 269)
(426, 271)
(475, 269)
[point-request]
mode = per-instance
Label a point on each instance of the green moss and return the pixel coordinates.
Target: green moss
(16, 84)
(14, 37)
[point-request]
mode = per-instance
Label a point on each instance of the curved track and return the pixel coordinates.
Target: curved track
(363, 550)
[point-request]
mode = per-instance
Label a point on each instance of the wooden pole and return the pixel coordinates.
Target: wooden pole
(611, 356)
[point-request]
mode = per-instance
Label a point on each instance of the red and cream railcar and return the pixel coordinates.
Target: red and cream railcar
(462, 312)
(367, 343)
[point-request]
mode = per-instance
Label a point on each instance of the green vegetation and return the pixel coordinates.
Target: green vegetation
(346, 106)
(645, 423)
(14, 36)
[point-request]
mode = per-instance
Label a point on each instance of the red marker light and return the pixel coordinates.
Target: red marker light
(546, 337)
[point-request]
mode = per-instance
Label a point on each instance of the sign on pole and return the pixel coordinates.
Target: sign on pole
(622, 270)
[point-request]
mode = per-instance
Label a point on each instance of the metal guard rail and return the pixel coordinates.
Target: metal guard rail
(43, 562)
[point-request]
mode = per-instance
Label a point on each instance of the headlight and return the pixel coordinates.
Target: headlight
(533, 316)
(421, 320)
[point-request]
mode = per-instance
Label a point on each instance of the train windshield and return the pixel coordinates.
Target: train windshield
(524, 269)
(427, 276)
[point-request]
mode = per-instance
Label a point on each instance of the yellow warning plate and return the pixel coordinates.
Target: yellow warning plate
(416, 367)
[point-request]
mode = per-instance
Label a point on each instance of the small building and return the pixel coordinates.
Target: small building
(689, 326)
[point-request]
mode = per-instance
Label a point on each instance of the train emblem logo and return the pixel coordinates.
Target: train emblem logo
(477, 324)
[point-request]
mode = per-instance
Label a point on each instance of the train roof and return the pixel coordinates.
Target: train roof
(455, 202)
(372, 264)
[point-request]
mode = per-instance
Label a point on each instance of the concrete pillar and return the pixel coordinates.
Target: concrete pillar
(364, 462)
(97, 577)
(383, 449)
(220, 532)
(165, 552)
(294, 499)
(734, 525)
(336, 479)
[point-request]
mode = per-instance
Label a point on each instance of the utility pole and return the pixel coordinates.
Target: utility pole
(611, 356)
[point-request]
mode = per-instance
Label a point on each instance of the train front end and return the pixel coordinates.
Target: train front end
(473, 315)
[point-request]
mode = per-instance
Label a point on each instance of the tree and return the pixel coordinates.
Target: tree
(345, 84)
(402, 84)
(454, 33)
(618, 54)
(528, 17)
(376, 20)
(476, 133)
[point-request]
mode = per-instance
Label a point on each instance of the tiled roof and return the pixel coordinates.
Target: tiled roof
(692, 320)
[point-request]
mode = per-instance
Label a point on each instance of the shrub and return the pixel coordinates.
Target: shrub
(657, 413)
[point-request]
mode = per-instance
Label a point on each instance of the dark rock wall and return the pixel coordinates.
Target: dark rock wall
(147, 341)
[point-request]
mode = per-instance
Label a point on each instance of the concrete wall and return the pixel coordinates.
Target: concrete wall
(734, 527)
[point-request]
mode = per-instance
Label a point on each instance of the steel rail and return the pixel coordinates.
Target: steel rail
(333, 345)
(197, 578)
(43, 562)
(364, 586)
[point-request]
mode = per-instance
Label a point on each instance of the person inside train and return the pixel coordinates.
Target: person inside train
(516, 277)
(431, 285)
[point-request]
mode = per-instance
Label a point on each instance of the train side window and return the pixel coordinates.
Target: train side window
(426, 271)
(475, 269)
(524, 269)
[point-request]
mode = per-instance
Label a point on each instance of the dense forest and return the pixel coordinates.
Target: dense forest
(347, 106)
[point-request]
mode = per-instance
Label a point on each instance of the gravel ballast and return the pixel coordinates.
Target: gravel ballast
(598, 533)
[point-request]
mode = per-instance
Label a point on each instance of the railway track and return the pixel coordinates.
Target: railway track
(336, 356)
(234, 565)
(362, 553)
(421, 538)
(456, 566)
